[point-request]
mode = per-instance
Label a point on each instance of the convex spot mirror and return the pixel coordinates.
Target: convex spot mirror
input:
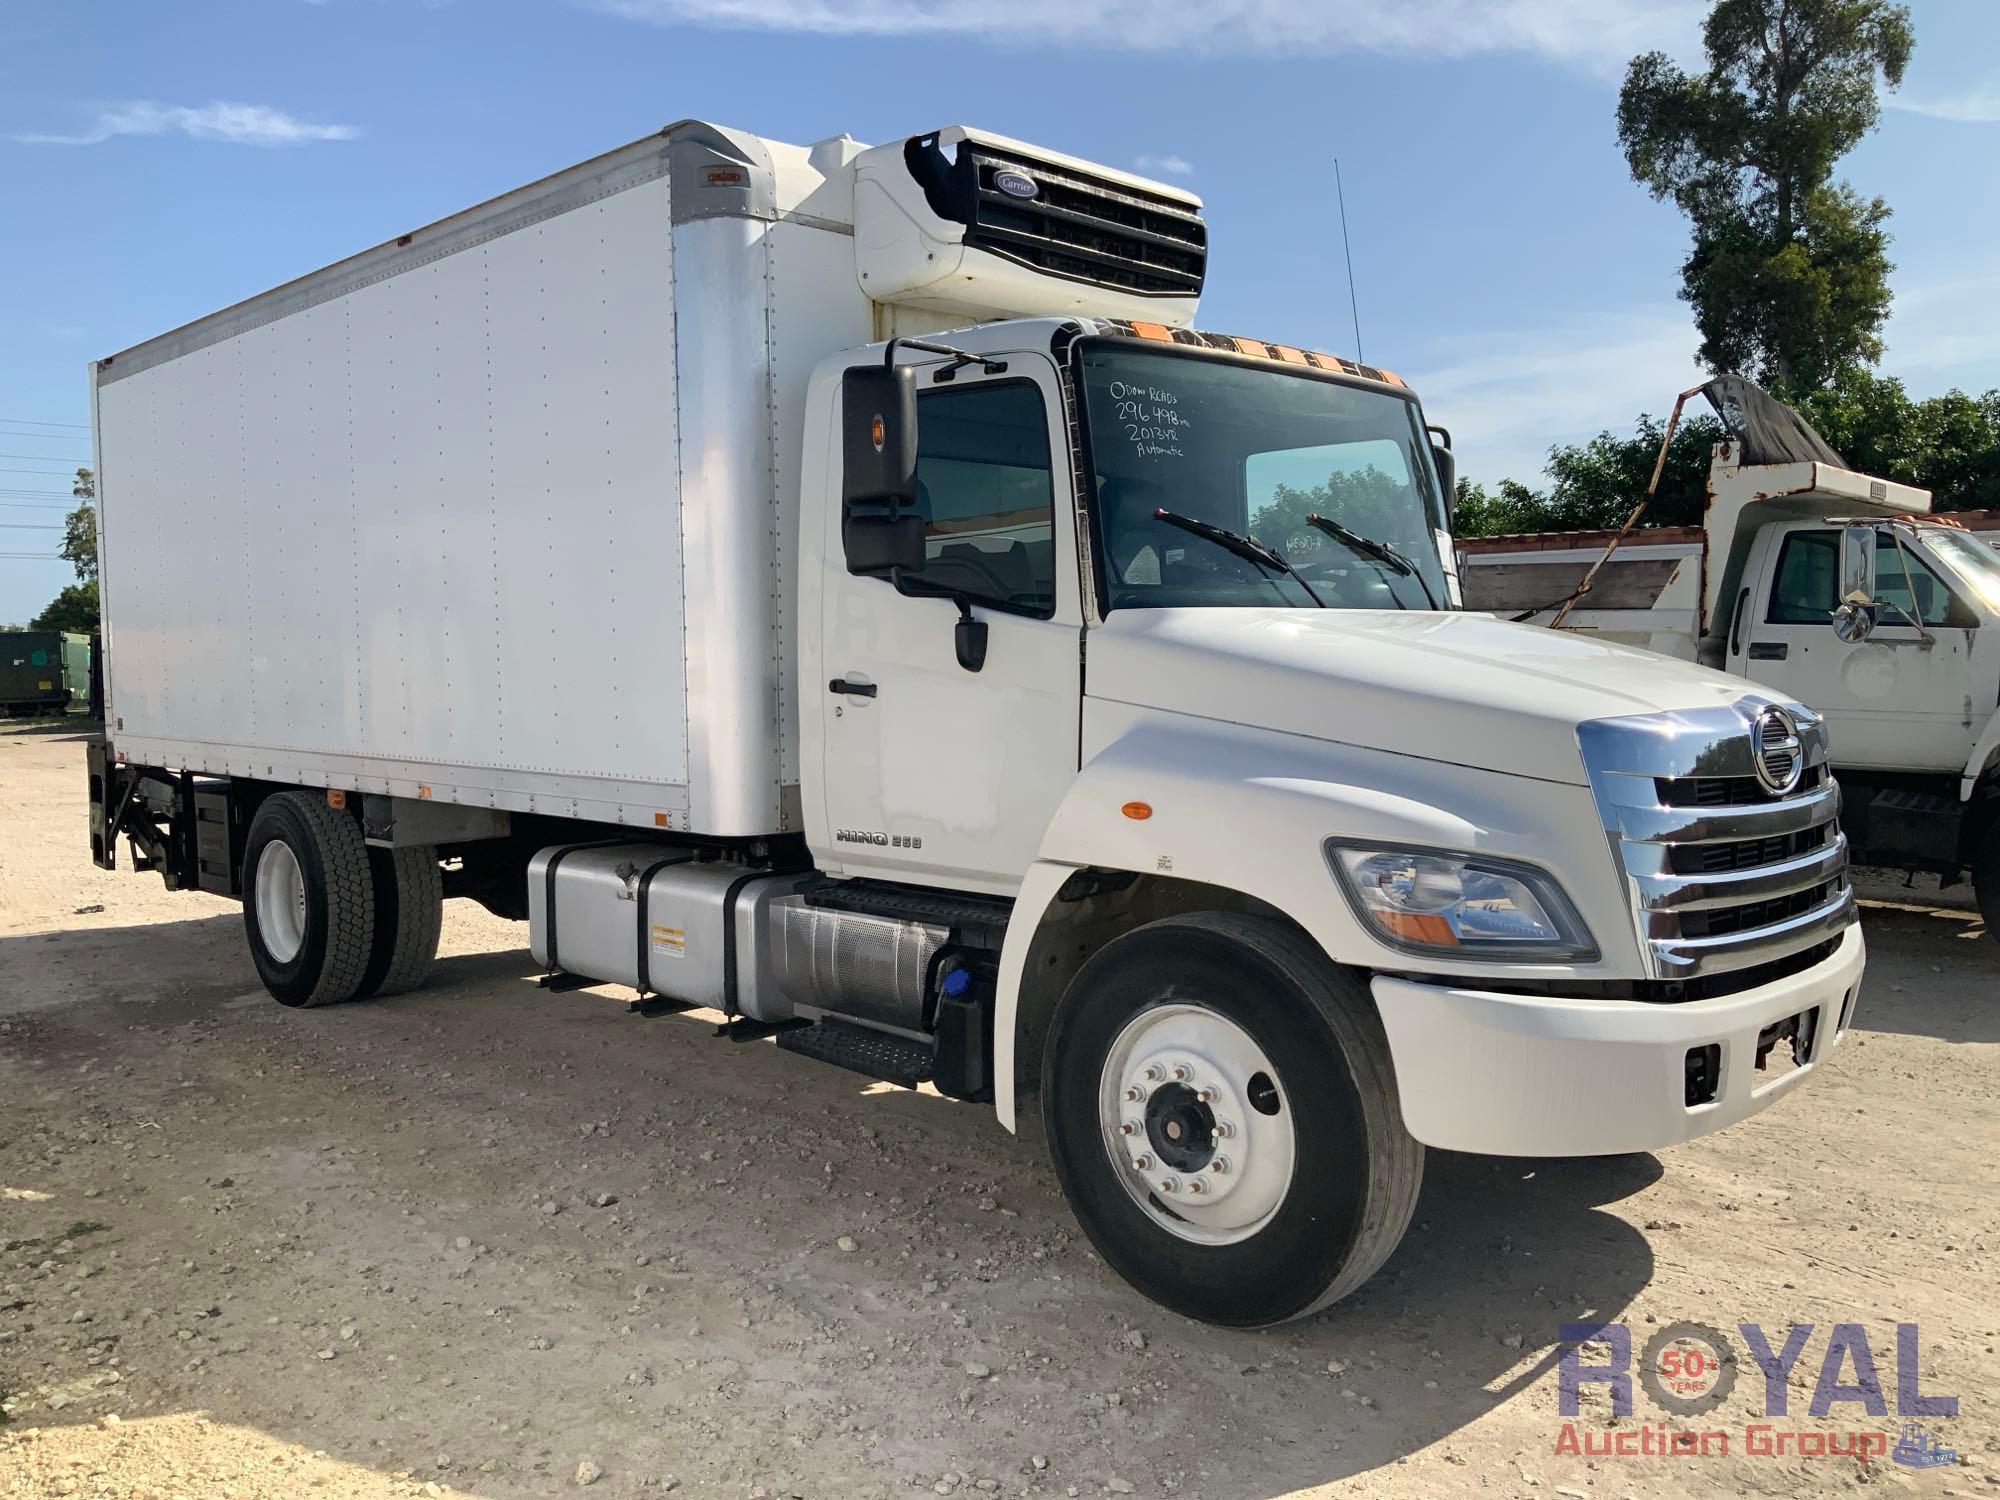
(1854, 619)
(880, 530)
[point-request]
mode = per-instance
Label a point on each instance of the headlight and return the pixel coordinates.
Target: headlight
(1433, 901)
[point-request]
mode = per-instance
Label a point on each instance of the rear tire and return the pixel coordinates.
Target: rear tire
(1325, 1177)
(409, 912)
(308, 900)
(1986, 877)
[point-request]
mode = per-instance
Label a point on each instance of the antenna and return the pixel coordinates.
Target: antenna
(1353, 304)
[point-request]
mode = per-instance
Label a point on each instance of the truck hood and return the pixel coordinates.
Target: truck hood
(1462, 688)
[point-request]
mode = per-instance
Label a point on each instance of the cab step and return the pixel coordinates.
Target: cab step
(862, 1049)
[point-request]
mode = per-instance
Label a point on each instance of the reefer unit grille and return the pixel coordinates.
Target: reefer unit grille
(1063, 221)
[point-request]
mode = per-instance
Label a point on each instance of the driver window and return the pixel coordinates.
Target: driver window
(986, 496)
(1921, 595)
(1808, 582)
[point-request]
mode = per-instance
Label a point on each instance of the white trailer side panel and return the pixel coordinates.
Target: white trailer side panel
(426, 531)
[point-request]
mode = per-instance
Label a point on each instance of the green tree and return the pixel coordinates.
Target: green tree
(1949, 445)
(79, 544)
(1510, 507)
(1789, 272)
(75, 608)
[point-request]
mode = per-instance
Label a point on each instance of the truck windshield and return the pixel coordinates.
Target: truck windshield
(1256, 451)
(1968, 555)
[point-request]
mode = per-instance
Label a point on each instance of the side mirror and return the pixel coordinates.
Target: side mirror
(879, 530)
(1855, 615)
(1447, 468)
(1857, 565)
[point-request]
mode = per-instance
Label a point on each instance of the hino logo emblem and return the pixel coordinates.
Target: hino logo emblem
(1016, 184)
(1776, 752)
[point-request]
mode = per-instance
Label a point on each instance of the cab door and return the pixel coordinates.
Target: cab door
(1893, 702)
(931, 771)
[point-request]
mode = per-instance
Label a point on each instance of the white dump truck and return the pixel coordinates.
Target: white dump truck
(817, 585)
(1825, 585)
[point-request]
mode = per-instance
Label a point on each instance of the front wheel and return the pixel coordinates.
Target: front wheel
(1222, 1109)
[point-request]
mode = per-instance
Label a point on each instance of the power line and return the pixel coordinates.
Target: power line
(26, 526)
(38, 422)
(24, 505)
(47, 458)
(32, 557)
(41, 473)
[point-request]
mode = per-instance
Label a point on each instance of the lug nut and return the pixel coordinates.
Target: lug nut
(1128, 1127)
(1142, 1161)
(1183, 1072)
(1224, 1130)
(1170, 1184)
(1134, 1094)
(1196, 1185)
(1155, 1072)
(1205, 1095)
(1219, 1165)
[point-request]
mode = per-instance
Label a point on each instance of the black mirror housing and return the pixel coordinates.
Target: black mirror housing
(1447, 470)
(878, 545)
(878, 487)
(878, 423)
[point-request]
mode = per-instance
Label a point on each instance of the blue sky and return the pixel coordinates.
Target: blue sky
(158, 161)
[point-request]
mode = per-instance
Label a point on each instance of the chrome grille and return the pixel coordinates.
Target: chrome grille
(1722, 874)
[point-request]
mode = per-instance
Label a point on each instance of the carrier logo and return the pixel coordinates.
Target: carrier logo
(880, 840)
(1016, 184)
(1775, 750)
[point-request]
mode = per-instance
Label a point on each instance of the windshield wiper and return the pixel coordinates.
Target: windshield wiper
(1382, 552)
(1246, 547)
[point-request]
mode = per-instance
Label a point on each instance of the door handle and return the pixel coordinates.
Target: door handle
(1736, 625)
(1769, 650)
(851, 689)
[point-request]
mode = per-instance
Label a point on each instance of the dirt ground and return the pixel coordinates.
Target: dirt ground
(466, 1241)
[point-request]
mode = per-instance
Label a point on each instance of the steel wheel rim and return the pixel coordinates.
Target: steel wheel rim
(1172, 1069)
(281, 901)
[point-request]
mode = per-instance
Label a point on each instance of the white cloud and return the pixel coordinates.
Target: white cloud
(1931, 340)
(1164, 166)
(1595, 35)
(238, 124)
(1511, 395)
(1980, 106)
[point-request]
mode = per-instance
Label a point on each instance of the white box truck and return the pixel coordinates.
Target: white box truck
(819, 584)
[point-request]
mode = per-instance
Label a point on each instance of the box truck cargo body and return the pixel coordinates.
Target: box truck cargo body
(839, 589)
(505, 507)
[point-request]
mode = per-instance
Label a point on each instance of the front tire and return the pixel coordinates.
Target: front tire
(1222, 1109)
(308, 900)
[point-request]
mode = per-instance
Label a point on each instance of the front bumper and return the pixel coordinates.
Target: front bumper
(1526, 1075)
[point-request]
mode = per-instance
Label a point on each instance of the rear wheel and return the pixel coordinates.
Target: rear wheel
(1986, 877)
(1223, 1113)
(308, 900)
(409, 911)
